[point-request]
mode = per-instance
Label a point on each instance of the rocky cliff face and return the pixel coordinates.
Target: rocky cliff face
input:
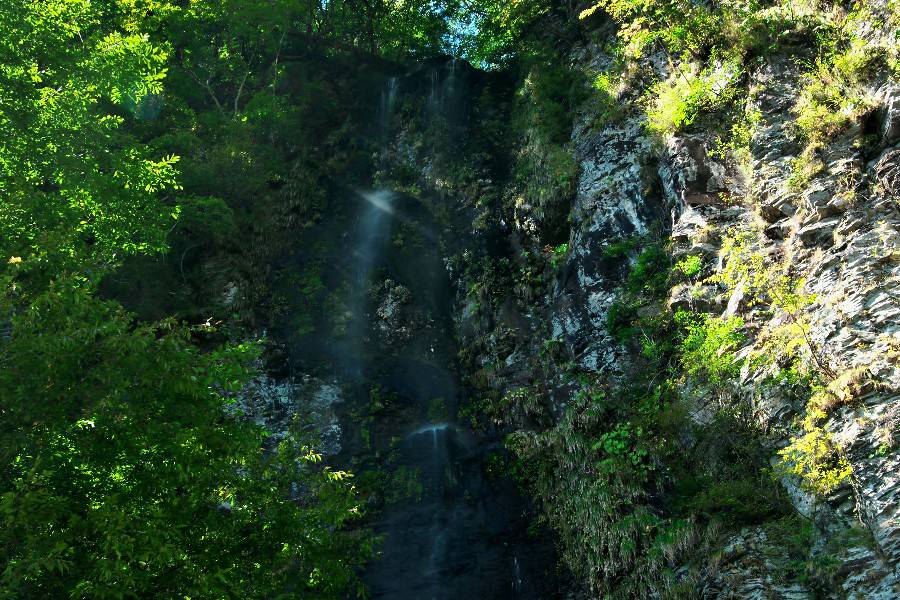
(843, 242)
(836, 237)
(584, 266)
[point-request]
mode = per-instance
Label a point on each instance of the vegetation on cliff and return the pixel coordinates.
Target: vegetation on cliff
(157, 154)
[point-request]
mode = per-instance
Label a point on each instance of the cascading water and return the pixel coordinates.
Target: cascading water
(371, 236)
(517, 577)
(387, 105)
(450, 529)
(443, 88)
(435, 99)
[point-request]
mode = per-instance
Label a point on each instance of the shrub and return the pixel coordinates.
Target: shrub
(736, 144)
(832, 98)
(689, 266)
(621, 321)
(595, 472)
(680, 99)
(650, 272)
(736, 501)
(605, 99)
(558, 255)
(772, 285)
(833, 95)
(708, 344)
(816, 460)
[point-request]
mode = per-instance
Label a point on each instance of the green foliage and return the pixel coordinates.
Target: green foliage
(621, 320)
(622, 443)
(679, 100)
(736, 27)
(737, 502)
(682, 26)
(75, 189)
(554, 91)
(123, 472)
(689, 266)
(770, 284)
(816, 460)
(595, 473)
(833, 96)
(812, 456)
(620, 248)
(128, 479)
(208, 219)
(625, 450)
(605, 98)
(736, 144)
(708, 344)
(647, 281)
(558, 255)
(545, 170)
(498, 28)
(650, 272)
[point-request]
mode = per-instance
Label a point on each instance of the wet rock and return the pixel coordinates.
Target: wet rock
(817, 196)
(887, 171)
(779, 230)
(618, 196)
(890, 129)
(394, 315)
(777, 208)
(689, 225)
(749, 567)
(275, 403)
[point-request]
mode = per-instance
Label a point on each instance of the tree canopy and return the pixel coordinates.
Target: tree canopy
(123, 471)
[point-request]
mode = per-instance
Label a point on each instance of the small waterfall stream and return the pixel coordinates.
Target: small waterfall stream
(456, 538)
(371, 236)
(451, 530)
(387, 105)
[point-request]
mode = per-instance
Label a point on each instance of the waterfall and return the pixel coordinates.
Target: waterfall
(450, 529)
(371, 236)
(450, 83)
(517, 577)
(442, 88)
(435, 100)
(387, 105)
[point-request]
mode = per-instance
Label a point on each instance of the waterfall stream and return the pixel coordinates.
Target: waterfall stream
(454, 538)
(386, 335)
(387, 105)
(371, 237)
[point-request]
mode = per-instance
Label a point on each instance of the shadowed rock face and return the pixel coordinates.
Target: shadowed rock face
(451, 531)
(459, 535)
(463, 539)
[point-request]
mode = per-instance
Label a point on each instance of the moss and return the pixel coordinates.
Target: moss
(650, 274)
(621, 320)
(620, 248)
(736, 502)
